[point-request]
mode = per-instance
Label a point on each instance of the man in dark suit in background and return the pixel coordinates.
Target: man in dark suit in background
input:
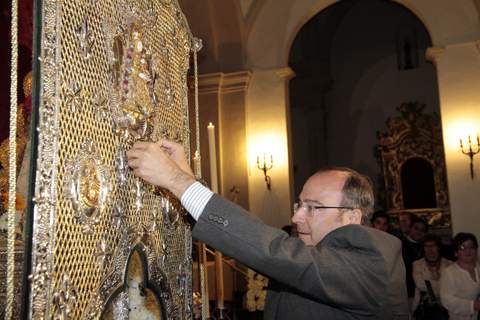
(336, 269)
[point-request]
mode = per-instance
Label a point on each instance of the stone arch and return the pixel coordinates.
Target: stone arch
(287, 17)
(312, 13)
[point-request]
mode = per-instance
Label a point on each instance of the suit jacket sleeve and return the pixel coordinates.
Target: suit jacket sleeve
(340, 272)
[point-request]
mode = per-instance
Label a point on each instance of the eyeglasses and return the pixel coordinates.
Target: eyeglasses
(311, 208)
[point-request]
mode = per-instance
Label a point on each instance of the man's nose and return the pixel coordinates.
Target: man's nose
(299, 216)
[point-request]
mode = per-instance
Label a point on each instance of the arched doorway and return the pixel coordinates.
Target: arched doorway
(355, 61)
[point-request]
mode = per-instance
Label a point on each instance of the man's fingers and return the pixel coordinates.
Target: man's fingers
(136, 172)
(134, 163)
(170, 146)
(167, 143)
(138, 149)
(140, 145)
(134, 154)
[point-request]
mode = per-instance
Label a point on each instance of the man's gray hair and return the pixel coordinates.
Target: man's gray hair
(357, 191)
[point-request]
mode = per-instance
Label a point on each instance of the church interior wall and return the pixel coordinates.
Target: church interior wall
(264, 34)
(448, 23)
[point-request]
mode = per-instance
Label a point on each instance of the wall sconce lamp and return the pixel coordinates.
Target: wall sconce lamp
(265, 166)
(470, 150)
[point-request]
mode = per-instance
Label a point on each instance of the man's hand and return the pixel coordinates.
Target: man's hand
(161, 164)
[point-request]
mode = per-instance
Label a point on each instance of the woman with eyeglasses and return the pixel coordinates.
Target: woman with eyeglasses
(460, 283)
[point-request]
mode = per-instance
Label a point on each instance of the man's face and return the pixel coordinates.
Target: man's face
(431, 249)
(380, 223)
(323, 189)
(417, 231)
(404, 222)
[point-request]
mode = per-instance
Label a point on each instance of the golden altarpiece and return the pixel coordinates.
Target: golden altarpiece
(101, 243)
(412, 159)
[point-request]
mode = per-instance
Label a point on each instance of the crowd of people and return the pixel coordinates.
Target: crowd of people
(441, 283)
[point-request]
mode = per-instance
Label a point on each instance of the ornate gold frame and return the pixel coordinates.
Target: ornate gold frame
(414, 134)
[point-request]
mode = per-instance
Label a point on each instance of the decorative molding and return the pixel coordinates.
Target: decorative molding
(224, 82)
(285, 73)
(433, 54)
(236, 81)
(209, 83)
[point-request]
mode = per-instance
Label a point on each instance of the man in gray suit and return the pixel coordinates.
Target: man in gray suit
(336, 269)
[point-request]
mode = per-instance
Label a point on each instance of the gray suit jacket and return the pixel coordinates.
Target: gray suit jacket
(355, 272)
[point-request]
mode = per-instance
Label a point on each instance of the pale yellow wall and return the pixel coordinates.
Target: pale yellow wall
(459, 83)
(267, 132)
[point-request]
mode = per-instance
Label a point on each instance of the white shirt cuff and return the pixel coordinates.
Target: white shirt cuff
(195, 198)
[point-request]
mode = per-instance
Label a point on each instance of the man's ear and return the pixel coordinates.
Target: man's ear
(355, 217)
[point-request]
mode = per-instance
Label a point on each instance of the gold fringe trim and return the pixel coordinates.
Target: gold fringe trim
(12, 165)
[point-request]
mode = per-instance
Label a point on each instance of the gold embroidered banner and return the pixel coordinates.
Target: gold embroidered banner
(112, 72)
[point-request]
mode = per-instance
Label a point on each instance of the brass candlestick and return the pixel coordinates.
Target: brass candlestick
(470, 150)
(265, 167)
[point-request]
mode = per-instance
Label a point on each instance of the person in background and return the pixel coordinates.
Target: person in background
(412, 250)
(429, 268)
(460, 282)
(405, 222)
(380, 220)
